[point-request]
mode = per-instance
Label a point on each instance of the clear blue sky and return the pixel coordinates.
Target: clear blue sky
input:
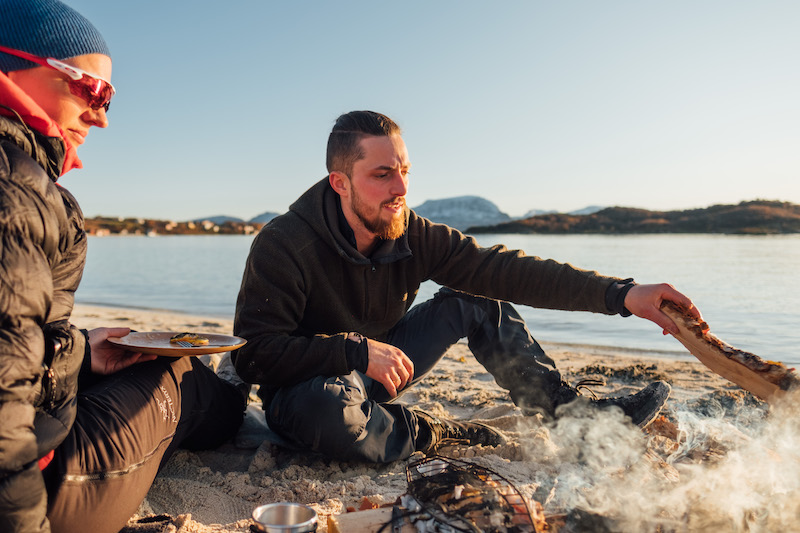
(225, 107)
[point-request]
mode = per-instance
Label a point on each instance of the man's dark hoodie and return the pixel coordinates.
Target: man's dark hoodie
(306, 287)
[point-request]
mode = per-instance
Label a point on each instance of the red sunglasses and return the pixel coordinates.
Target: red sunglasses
(97, 92)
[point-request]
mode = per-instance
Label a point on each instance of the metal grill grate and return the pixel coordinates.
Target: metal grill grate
(467, 497)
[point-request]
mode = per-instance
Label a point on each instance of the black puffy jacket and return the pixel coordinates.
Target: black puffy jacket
(42, 255)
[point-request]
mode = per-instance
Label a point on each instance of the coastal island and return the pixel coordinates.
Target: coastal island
(104, 226)
(757, 217)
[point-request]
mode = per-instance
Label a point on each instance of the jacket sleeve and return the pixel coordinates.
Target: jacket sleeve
(457, 261)
(29, 243)
(269, 310)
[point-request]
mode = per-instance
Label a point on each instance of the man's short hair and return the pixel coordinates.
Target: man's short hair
(344, 147)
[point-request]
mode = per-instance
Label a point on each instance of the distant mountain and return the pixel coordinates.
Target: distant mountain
(219, 219)
(462, 212)
(537, 212)
(588, 210)
(263, 218)
(756, 217)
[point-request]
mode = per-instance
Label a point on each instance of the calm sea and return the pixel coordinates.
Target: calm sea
(746, 286)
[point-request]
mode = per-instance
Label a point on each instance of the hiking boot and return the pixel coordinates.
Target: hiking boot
(435, 432)
(642, 407)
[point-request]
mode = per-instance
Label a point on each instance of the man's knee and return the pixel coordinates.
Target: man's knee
(468, 311)
(324, 414)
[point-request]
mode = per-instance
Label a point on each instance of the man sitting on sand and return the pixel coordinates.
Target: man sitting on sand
(84, 425)
(325, 304)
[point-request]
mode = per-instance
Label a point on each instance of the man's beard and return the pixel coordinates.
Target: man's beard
(393, 229)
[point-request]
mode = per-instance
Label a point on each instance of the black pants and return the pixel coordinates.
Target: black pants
(352, 417)
(127, 426)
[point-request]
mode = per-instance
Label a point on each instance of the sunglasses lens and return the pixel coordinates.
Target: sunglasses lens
(97, 93)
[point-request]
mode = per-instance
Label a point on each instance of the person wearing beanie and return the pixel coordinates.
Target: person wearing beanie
(84, 424)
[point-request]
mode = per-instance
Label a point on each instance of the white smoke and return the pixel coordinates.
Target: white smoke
(723, 471)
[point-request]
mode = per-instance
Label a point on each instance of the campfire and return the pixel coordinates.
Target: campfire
(453, 495)
(695, 469)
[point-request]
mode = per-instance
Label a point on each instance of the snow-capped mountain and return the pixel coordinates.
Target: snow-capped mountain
(462, 212)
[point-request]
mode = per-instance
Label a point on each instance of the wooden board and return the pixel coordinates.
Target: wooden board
(368, 521)
(768, 380)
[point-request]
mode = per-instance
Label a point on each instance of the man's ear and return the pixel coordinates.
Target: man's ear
(339, 182)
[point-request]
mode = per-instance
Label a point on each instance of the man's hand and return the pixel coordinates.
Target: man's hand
(389, 366)
(108, 358)
(645, 301)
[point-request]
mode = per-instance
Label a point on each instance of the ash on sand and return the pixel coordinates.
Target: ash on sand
(716, 462)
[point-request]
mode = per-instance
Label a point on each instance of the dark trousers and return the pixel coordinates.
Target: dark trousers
(352, 417)
(127, 426)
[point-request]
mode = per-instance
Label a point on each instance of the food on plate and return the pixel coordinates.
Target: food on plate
(192, 338)
(768, 380)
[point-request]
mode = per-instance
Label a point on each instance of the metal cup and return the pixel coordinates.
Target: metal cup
(285, 517)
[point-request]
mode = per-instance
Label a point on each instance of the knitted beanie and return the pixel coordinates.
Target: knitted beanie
(46, 28)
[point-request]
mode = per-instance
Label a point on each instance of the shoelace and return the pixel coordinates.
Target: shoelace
(589, 382)
(448, 442)
(453, 441)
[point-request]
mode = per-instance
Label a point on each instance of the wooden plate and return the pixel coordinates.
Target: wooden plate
(157, 342)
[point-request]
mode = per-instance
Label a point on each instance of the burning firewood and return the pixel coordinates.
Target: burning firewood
(769, 380)
(469, 498)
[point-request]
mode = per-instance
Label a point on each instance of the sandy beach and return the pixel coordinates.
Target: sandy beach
(717, 460)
